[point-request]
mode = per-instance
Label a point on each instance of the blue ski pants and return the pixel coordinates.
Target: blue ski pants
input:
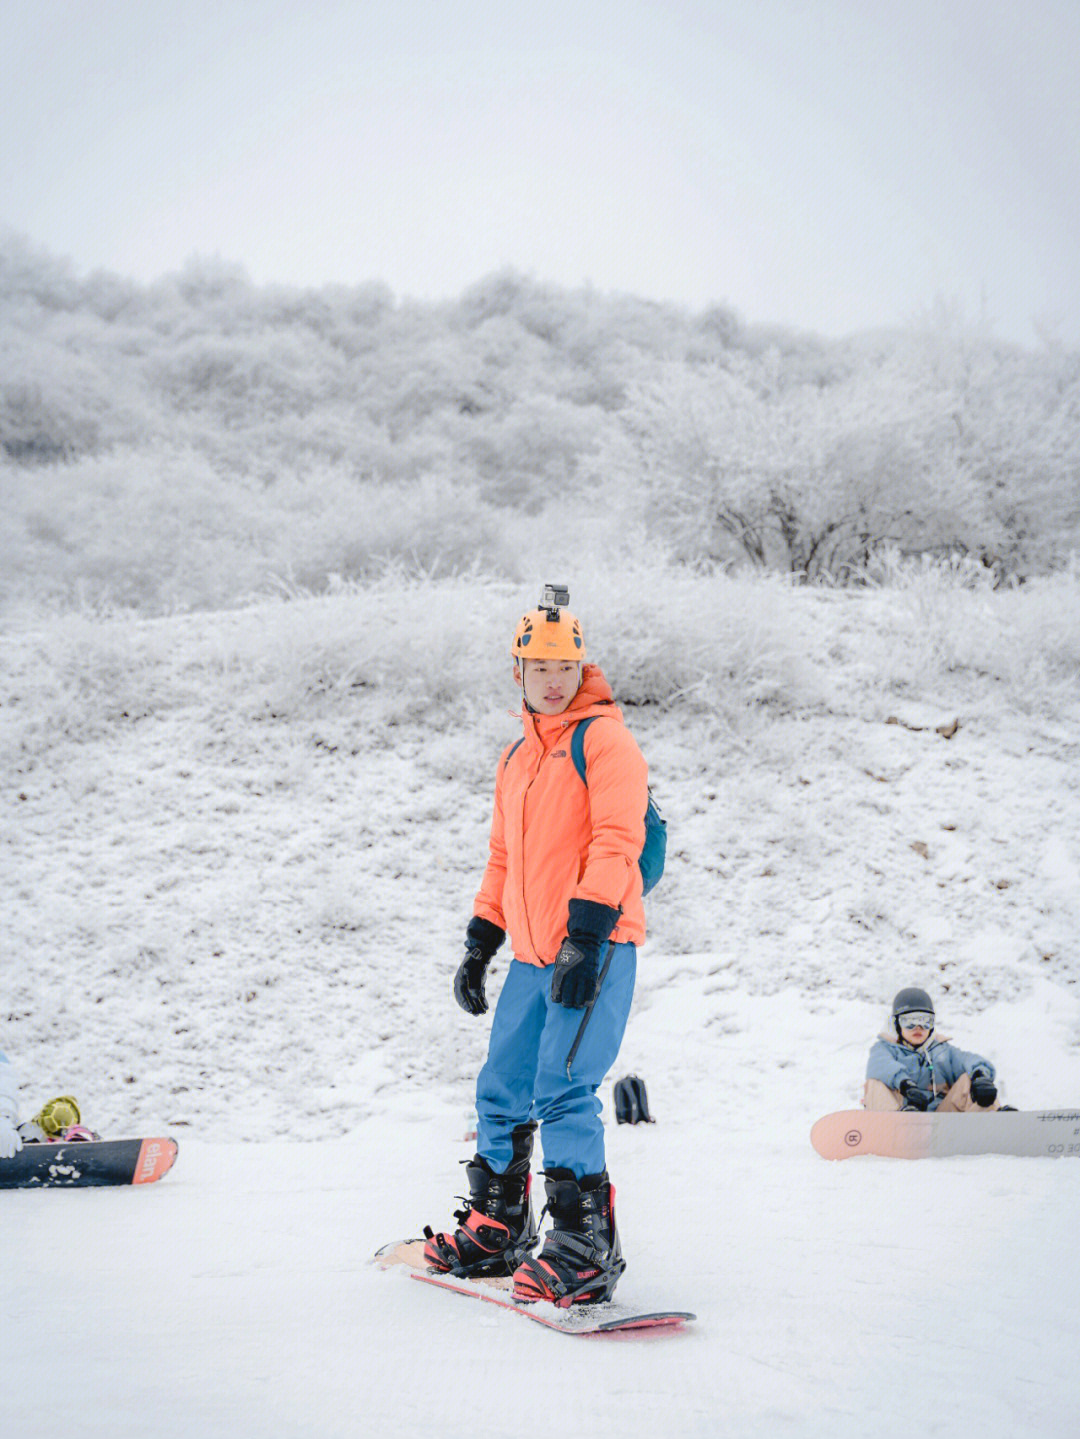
(525, 1074)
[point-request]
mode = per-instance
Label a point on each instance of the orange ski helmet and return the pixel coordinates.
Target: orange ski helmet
(549, 632)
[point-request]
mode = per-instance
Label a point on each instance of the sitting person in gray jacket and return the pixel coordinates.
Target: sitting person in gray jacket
(910, 1068)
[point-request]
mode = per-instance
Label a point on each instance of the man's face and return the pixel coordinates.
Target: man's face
(550, 685)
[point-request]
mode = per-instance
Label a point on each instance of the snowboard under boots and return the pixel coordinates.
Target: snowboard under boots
(497, 1228)
(581, 1261)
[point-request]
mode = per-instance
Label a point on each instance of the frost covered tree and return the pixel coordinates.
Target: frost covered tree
(736, 461)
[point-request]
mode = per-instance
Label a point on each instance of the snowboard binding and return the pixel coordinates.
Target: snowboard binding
(581, 1261)
(496, 1225)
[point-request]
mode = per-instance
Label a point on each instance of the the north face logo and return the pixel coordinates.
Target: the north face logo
(558, 754)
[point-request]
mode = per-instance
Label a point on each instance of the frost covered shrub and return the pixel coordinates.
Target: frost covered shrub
(332, 528)
(403, 650)
(400, 650)
(428, 648)
(79, 674)
(727, 443)
(164, 529)
(39, 426)
(715, 642)
(662, 637)
(1037, 645)
(152, 530)
(1047, 617)
(424, 645)
(930, 619)
(534, 450)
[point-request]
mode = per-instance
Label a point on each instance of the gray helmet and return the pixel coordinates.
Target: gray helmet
(908, 1001)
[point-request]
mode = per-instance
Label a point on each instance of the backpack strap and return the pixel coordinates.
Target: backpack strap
(511, 750)
(577, 748)
(654, 850)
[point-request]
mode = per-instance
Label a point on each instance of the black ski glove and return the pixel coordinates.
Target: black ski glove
(482, 939)
(914, 1098)
(983, 1088)
(575, 979)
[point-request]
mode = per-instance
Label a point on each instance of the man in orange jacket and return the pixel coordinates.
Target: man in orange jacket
(563, 878)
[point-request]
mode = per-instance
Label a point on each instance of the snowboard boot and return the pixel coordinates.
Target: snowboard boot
(497, 1224)
(581, 1260)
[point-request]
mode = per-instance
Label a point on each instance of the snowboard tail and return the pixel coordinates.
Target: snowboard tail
(88, 1164)
(607, 1318)
(914, 1135)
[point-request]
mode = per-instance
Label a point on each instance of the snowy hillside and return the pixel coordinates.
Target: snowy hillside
(238, 854)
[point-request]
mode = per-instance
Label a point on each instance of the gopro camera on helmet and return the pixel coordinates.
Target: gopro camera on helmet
(549, 631)
(555, 596)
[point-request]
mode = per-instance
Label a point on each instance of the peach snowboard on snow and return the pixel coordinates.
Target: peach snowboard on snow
(911, 1135)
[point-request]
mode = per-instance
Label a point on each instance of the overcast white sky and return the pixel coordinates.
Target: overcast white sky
(828, 164)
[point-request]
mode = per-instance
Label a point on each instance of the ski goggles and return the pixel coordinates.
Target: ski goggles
(917, 1019)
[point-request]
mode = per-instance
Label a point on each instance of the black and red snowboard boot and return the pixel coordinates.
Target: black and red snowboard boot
(581, 1261)
(497, 1227)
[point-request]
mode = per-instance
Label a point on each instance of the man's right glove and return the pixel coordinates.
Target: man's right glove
(983, 1088)
(482, 939)
(913, 1098)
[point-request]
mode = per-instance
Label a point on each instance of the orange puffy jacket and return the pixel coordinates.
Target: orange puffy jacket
(553, 839)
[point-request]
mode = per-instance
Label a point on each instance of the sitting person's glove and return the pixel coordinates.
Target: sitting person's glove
(575, 977)
(482, 939)
(913, 1097)
(10, 1141)
(983, 1088)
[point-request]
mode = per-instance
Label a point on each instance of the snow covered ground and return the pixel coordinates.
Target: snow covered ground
(233, 903)
(236, 1298)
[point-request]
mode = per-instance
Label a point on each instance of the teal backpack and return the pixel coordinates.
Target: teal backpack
(654, 853)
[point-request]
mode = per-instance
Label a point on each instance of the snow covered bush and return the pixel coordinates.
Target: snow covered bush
(151, 530)
(293, 436)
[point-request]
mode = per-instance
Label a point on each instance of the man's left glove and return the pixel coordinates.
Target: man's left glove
(482, 939)
(575, 979)
(983, 1088)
